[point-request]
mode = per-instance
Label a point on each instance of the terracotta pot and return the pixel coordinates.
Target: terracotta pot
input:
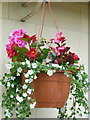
(51, 91)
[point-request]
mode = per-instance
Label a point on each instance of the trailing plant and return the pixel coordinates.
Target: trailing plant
(28, 58)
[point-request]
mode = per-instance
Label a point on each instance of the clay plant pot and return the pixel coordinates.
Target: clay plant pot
(51, 91)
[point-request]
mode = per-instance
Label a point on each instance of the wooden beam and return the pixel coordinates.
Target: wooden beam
(25, 4)
(32, 12)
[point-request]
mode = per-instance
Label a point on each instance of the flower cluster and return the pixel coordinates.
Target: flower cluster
(18, 51)
(15, 41)
(62, 52)
(28, 58)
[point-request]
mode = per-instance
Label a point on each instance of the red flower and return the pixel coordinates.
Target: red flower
(32, 53)
(30, 38)
(10, 50)
(75, 57)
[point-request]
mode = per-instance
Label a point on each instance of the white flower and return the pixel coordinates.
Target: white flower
(8, 84)
(30, 80)
(0, 83)
(17, 112)
(55, 65)
(45, 46)
(30, 72)
(50, 72)
(35, 77)
(0, 103)
(20, 108)
(48, 60)
(29, 91)
(8, 115)
(11, 96)
(18, 103)
(34, 65)
(62, 110)
(60, 67)
(17, 90)
(24, 94)
(23, 63)
(6, 110)
(79, 76)
(12, 78)
(29, 98)
(32, 105)
(20, 99)
(26, 80)
(5, 79)
(32, 77)
(28, 63)
(19, 70)
(67, 62)
(9, 66)
(24, 86)
(42, 47)
(12, 85)
(67, 75)
(63, 68)
(82, 72)
(48, 65)
(26, 75)
(18, 74)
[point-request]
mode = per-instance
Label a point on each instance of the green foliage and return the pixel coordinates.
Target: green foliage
(24, 39)
(13, 83)
(21, 50)
(45, 53)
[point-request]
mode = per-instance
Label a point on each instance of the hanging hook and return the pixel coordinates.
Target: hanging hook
(46, 1)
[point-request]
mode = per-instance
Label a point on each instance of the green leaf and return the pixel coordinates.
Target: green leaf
(43, 39)
(32, 100)
(45, 53)
(24, 39)
(15, 58)
(21, 50)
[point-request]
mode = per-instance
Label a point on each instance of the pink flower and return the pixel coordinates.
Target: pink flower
(51, 39)
(75, 57)
(20, 42)
(57, 52)
(18, 32)
(56, 61)
(15, 36)
(59, 38)
(58, 35)
(61, 48)
(12, 40)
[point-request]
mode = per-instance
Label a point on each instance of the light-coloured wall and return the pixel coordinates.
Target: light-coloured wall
(72, 20)
(0, 55)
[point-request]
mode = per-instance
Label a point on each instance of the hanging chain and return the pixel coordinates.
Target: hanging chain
(42, 25)
(53, 17)
(43, 19)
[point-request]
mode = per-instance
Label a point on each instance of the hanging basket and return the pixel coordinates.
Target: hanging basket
(50, 91)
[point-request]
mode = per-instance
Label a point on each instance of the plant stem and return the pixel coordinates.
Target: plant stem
(29, 48)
